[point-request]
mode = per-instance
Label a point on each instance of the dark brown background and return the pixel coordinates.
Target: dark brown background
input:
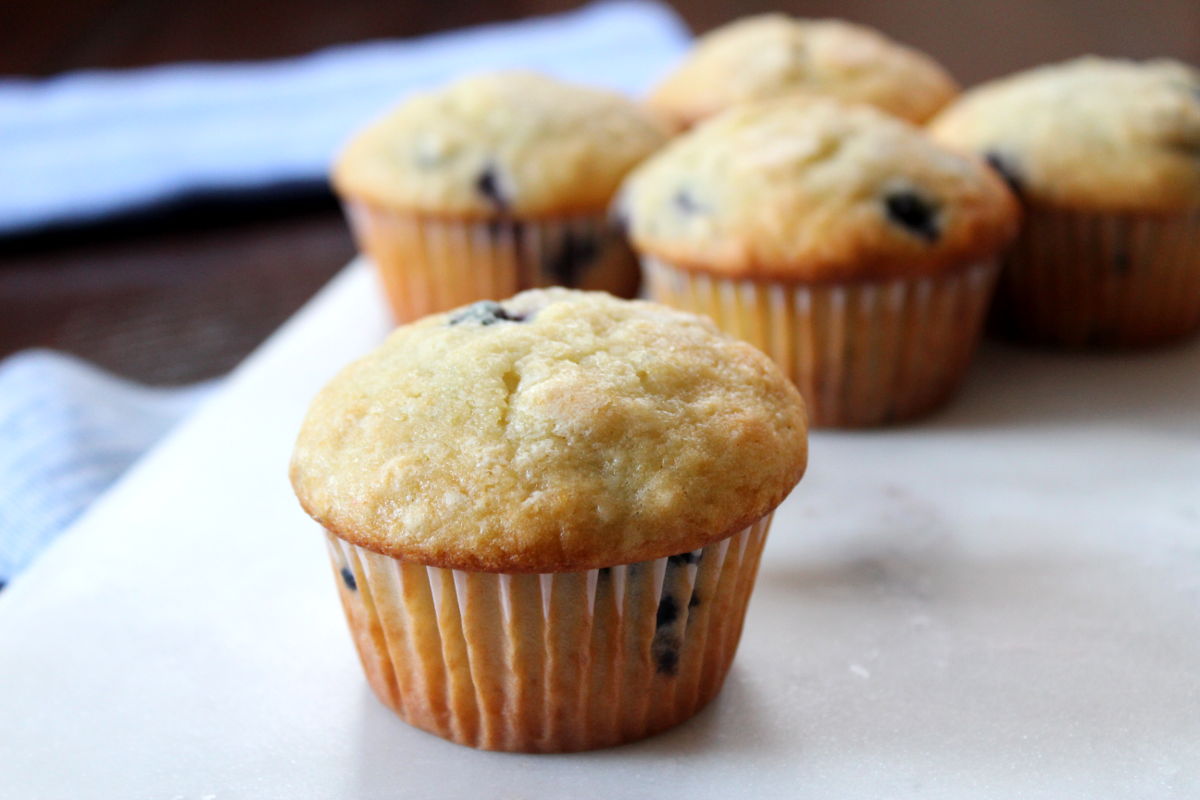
(184, 295)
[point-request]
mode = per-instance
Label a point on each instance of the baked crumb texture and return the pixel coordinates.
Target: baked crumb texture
(555, 431)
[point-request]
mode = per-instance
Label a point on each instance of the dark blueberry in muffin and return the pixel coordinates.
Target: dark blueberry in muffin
(1005, 165)
(500, 229)
(686, 204)
(485, 312)
(488, 185)
(576, 252)
(668, 612)
(665, 652)
(914, 213)
(348, 579)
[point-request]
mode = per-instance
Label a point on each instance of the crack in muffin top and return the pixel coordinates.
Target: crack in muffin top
(815, 190)
(774, 55)
(1090, 134)
(506, 143)
(555, 431)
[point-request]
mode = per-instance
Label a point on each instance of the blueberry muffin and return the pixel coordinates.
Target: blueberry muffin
(773, 55)
(491, 185)
(1105, 156)
(545, 515)
(840, 240)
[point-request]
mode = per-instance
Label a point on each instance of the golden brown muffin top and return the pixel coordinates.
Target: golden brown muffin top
(774, 55)
(815, 190)
(506, 143)
(1092, 133)
(556, 431)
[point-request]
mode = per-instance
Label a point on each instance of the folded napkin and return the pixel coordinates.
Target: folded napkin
(67, 431)
(87, 145)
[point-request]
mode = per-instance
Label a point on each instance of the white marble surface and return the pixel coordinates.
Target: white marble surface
(1003, 601)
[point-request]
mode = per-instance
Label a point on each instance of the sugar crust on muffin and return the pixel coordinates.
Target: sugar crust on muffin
(509, 143)
(815, 190)
(556, 431)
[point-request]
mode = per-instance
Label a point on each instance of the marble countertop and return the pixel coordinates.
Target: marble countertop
(1001, 601)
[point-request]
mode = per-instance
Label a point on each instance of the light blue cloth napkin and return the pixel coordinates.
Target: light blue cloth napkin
(67, 431)
(87, 145)
(90, 144)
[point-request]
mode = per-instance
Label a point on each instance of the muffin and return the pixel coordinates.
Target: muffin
(842, 241)
(1105, 156)
(773, 55)
(492, 185)
(545, 515)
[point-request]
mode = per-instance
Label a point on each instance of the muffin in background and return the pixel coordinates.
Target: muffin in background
(545, 515)
(774, 55)
(842, 241)
(1105, 156)
(491, 185)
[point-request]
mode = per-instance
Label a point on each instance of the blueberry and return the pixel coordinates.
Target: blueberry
(684, 558)
(498, 227)
(1008, 171)
(913, 213)
(668, 612)
(574, 255)
(686, 204)
(488, 185)
(665, 652)
(485, 312)
(348, 579)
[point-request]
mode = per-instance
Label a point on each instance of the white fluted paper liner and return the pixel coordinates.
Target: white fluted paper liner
(549, 662)
(430, 264)
(862, 353)
(1091, 279)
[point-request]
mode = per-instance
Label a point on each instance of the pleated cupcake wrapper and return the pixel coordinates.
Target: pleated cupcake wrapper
(429, 264)
(1085, 279)
(862, 353)
(549, 662)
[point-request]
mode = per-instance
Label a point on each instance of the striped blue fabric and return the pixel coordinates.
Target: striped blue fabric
(86, 145)
(67, 431)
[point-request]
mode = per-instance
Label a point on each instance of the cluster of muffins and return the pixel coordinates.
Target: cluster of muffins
(546, 512)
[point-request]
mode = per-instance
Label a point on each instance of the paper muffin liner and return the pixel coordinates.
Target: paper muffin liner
(430, 264)
(1103, 280)
(549, 662)
(862, 353)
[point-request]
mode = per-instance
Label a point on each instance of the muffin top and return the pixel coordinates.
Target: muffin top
(1091, 133)
(774, 55)
(556, 431)
(512, 143)
(815, 190)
